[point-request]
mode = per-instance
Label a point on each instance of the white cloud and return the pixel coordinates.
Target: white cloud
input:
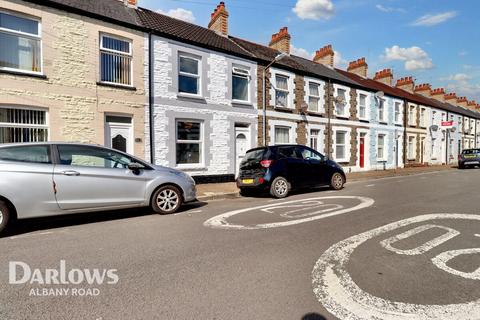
(457, 77)
(180, 14)
(390, 9)
(338, 60)
(430, 20)
(415, 57)
(314, 9)
(301, 52)
(463, 53)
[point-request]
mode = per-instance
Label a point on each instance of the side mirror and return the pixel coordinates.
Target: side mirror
(135, 167)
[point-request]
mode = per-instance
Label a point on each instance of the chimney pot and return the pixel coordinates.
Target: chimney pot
(384, 76)
(219, 20)
(358, 67)
(281, 40)
(325, 56)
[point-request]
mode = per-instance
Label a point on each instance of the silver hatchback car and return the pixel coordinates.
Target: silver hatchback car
(46, 179)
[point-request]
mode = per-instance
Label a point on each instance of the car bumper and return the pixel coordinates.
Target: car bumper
(257, 183)
(190, 193)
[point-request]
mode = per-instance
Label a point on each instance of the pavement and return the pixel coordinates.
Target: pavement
(219, 191)
(404, 247)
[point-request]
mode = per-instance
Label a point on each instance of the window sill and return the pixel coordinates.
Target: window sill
(199, 167)
(385, 123)
(342, 116)
(117, 86)
(242, 104)
(364, 120)
(284, 109)
(190, 96)
(315, 113)
(24, 74)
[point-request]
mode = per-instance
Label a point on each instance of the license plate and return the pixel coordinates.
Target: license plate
(470, 156)
(247, 181)
(472, 162)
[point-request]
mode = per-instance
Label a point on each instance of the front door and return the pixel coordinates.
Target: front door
(362, 150)
(242, 144)
(119, 133)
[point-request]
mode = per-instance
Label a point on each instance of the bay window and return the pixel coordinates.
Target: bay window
(189, 142)
(115, 60)
(240, 84)
(188, 75)
(281, 91)
(21, 48)
(23, 125)
(313, 96)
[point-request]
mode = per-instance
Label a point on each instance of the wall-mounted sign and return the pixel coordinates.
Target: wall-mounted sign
(447, 124)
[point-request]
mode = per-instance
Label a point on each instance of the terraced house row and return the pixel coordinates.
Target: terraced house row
(195, 98)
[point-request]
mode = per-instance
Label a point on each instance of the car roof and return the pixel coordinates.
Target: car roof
(23, 144)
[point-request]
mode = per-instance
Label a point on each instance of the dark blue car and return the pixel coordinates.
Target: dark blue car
(469, 158)
(279, 169)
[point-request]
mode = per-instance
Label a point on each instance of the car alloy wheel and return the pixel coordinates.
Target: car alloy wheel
(1, 217)
(167, 200)
(279, 188)
(337, 181)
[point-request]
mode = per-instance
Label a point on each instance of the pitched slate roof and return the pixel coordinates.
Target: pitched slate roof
(110, 10)
(292, 62)
(400, 93)
(188, 32)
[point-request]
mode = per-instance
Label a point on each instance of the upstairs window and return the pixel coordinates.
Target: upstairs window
(341, 103)
(281, 91)
(115, 60)
(21, 44)
(381, 110)
(422, 118)
(397, 113)
(189, 75)
(313, 97)
(240, 84)
(411, 116)
(362, 109)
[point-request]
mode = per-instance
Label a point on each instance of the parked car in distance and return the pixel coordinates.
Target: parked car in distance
(279, 169)
(47, 179)
(469, 158)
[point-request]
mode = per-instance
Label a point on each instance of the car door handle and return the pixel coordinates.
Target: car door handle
(70, 173)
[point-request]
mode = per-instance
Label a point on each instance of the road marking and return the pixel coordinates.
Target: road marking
(341, 296)
(370, 185)
(195, 211)
(220, 221)
(441, 262)
(477, 235)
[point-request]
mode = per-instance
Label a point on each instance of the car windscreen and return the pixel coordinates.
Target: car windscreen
(471, 151)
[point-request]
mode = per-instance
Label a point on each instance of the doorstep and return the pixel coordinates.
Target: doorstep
(229, 190)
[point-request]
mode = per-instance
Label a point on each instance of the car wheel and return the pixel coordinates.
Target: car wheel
(4, 216)
(337, 181)
(279, 188)
(167, 199)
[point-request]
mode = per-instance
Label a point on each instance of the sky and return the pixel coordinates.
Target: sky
(435, 41)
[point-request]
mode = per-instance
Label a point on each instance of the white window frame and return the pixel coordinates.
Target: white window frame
(346, 114)
(45, 126)
(287, 91)
(27, 35)
(249, 79)
(412, 117)
(367, 104)
(347, 132)
(397, 116)
(320, 137)
(320, 107)
(282, 123)
(186, 74)
(423, 117)
(383, 158)
(412, 156)
(121, 53)
(383, 103)
(201, 142)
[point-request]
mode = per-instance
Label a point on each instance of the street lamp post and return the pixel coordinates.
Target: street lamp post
(277, 58)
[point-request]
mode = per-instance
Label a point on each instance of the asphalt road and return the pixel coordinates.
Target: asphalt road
(393, 248)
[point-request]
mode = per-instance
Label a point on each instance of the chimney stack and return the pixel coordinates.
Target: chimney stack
(472, 105)
(130, 3)
(438, 94)
(423, 89)
(359, 67)
(325, 56)
(462, 101)
(219, 20)
(281, 41)
(384, 76)
(451, 98)
(406, 84)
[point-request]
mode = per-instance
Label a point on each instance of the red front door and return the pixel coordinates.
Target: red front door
(362, 152)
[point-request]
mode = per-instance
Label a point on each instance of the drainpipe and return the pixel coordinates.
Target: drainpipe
(447, 140)
(405, 124)
(151, 97)
(264, 107)
(329, 125)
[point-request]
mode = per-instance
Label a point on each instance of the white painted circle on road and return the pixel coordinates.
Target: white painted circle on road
(320, 211)
(341, 296)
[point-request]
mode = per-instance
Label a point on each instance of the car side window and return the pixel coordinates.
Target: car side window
(309, 154)
(87, 156)
(29, 154)
(287, 152)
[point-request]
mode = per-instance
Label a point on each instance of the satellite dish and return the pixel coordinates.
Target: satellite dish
(379, 94)
(453, 129)
(304, 107)
(340, 100)
(434, 128)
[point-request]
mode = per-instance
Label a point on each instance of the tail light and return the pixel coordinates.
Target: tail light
(261, 180)
(266, 163)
